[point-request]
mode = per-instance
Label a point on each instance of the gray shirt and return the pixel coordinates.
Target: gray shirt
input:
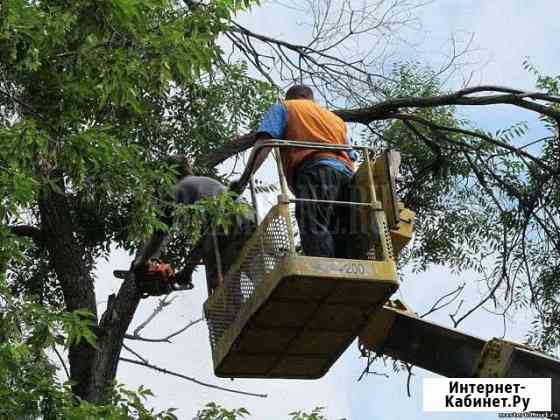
(192, 188)
(187, 191)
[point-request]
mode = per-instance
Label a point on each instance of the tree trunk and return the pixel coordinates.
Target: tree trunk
(73, 269)
(112, 328)
(93, 369)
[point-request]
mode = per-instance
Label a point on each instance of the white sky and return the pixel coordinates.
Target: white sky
(505, 32)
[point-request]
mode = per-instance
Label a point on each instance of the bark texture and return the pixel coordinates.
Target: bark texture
(73, 269)
(92, 369)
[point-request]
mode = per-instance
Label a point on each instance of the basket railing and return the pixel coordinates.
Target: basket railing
(264, 146)
(261, 255)
(273, 238)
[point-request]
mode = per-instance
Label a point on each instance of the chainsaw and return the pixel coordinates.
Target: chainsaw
(156, 279)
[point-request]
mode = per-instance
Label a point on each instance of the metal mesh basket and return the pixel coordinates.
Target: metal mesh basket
(260, 256)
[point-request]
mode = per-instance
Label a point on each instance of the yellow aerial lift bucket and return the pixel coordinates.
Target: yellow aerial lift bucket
(279, 314)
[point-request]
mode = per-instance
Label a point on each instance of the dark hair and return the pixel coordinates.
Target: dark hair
(299, 92)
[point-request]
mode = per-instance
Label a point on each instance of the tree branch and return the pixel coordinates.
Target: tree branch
(163, 302)
(383, 109)
(28, 231)
(130, 350)
(237, 145)
(389, 109)
(112, 329)
(454, 294)
(188, 378)
(166, 339)
(367, 371)
(501, 144)
(304, 51)
(62, 362)
(73, 268)
(409, 368)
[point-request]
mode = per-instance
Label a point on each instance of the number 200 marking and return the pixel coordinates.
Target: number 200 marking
(354, 268)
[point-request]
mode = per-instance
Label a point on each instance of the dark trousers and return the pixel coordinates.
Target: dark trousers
(229, 246)
(323, 227)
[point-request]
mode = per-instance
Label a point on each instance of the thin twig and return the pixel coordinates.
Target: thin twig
(188, 378)
(163, 302)
(166, 339)
(367, 370)
(186, 327)
(62, 362)
(455, 293)
(409, 368)
(490, 295)
(495, 142)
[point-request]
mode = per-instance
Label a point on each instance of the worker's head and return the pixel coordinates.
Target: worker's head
(182, 165)
(299, 92)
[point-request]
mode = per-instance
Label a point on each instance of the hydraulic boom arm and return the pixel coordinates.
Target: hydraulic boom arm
(398, 332)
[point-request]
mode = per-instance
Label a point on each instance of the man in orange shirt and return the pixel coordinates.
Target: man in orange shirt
(311, 173)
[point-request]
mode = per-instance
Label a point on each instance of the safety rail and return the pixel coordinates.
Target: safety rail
(264, 146)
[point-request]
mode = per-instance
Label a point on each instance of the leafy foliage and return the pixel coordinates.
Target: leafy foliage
(220, 210)
(314, 415)
(95, 97)
(111, 90)
(433, 172)
(213, 411)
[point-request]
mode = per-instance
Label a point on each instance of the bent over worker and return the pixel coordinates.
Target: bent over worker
(219, 250)
(313, 174)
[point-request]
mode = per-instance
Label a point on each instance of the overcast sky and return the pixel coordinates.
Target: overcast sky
(505, 32)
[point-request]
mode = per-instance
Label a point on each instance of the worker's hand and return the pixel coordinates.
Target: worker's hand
(184, 278)
(236, 186)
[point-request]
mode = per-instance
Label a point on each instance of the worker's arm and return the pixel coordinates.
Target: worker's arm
(153, 246)
(272, 126)
(352, 154)
(240, 184)
(151, 249)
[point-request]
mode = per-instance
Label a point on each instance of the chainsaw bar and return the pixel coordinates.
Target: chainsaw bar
(125, 275)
